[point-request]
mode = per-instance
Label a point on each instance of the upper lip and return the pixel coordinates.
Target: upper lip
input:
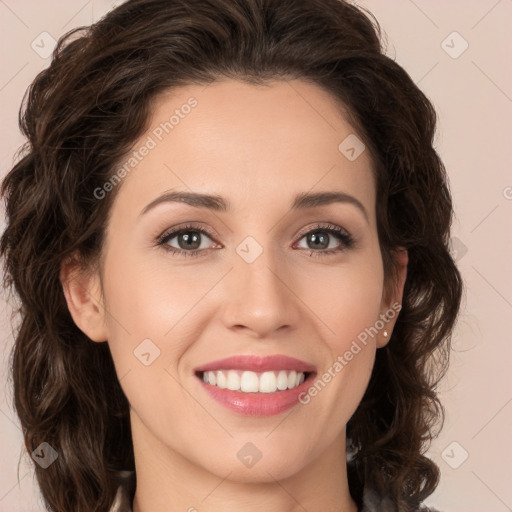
(257, 364)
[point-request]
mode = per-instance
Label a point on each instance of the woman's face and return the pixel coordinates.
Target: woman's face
(258, 286)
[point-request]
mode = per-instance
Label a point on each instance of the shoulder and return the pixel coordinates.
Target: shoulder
(374, 502)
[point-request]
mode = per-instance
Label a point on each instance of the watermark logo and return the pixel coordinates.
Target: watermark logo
(249, 454)
(457, 248)
(43, 45)
(45, 455)
(454, 45)
(146, 352)
(351, 147)
(454, 455)
(249, 249)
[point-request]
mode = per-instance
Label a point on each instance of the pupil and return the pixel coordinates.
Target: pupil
(320, 238)
(191, 239)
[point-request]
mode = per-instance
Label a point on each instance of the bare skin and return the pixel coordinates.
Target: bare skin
(258, 147)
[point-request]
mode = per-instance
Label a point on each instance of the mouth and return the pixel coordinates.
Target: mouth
(256, 385)
(254, 382)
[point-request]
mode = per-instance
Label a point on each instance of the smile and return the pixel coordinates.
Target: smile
(253, 382)
(256, 385)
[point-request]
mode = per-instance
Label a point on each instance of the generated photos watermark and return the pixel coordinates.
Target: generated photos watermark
(343, 359)
(151, 142)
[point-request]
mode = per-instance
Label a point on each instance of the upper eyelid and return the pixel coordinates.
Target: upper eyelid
(175, 231)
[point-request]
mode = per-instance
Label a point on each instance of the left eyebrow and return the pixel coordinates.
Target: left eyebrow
(221, 204)
(312, 200)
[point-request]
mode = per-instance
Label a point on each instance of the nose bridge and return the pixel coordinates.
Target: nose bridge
(259, 295)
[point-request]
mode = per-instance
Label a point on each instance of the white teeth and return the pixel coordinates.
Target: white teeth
(268, 382)
(249, 383)
(252, 382)
(221, 380)
(292, 379)
(282, 380)
(233, 380)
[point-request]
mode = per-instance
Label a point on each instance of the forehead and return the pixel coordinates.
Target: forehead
(253, 144)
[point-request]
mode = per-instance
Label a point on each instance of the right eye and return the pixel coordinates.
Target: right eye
(188, 237)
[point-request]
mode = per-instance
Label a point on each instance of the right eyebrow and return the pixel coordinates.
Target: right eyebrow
(212, 202)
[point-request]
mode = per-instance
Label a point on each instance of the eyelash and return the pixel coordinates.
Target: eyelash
(343, 235)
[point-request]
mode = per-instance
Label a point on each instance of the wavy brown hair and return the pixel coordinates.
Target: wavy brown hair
(82, 115)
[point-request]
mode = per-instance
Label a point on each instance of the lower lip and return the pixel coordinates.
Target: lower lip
(257, 404)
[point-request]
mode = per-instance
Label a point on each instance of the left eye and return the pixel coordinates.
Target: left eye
(321, 238)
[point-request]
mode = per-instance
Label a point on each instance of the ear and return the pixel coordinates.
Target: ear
(84, 298)
(392, 296)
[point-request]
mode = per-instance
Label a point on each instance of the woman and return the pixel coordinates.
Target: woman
(228, 233)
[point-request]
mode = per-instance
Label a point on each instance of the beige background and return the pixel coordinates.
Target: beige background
(472, 91)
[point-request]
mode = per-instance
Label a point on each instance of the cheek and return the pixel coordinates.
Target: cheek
(152, 301)
(348, 307)
(345, 300)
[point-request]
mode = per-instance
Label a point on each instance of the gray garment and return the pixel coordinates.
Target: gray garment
(371, 501)
(122, 501)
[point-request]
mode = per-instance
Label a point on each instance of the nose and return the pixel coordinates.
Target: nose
(260, 297)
